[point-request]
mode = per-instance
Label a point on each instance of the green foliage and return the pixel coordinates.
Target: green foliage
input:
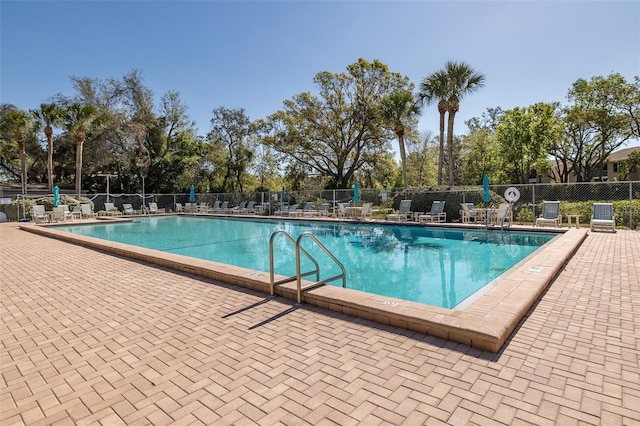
(601, 117)
(524, 215)
(620, 211)
(630, 165)
(338, 131)
(523, 137)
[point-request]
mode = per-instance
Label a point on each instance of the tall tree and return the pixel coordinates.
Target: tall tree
(339, 130)
(230, 137)
(421, 161)
(599, 120)
(461, 80)
(16, 124)
(523, 136)
(398, 110)
(434, 88)
(449, 85)
(79, 121)
(48, 116)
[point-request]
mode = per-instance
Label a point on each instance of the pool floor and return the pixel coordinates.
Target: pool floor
(485, 322)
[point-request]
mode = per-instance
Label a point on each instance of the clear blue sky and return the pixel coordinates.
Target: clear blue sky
(255, 54)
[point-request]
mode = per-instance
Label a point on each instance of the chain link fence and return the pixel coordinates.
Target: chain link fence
(575, 199)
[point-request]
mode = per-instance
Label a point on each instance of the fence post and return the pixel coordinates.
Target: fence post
(533, 202)
(630, 205)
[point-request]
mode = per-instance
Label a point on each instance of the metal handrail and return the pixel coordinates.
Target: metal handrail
(272, 267)
(298, 275)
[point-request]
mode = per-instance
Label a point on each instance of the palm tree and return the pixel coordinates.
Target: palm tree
(47, 116)
(432, 88)
(397, 109)
(17, 124)
(79, 121)
(462, 79)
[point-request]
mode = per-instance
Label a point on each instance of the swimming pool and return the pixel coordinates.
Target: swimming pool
(434, 266)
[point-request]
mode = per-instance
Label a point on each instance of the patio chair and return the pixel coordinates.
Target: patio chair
(179, 208)
(86, 212)
(110, 210)
(467, 214)
(61, 213)
(602, 218)
(250, 209)
(404, 211)
(305, 211)
(367, 211)
(437, 213)
(76, 212)
(291, 210)
(550, 214)
(203, 207)
(153, 208)
(323, 210)
(128, 209)
(239, 208)
(342, 210)
(38, 214)
(502, 215)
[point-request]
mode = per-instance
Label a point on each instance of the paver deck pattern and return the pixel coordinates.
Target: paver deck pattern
(92, 338)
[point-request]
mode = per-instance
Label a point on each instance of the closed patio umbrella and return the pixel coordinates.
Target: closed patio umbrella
(356, 192)
(56, 196)
(192, 194)
(486, 197)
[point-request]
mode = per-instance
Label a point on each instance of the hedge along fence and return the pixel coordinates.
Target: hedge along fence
(575, 198)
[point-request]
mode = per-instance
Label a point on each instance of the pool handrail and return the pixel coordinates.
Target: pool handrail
(272, 267)
(343, 275)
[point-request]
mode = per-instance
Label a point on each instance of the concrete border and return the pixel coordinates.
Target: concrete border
(486, 323)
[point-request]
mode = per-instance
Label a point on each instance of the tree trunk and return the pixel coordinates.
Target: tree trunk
(48, 131)
(403, 155)
(452, 115)
(23, 166)
(79, 145)
(442, 111)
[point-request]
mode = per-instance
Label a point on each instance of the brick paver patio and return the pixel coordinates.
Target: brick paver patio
(91, 338)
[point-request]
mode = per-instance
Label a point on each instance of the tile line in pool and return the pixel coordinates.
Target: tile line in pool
(209, 243)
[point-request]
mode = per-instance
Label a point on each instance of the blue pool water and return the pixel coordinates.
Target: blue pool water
(434, 266)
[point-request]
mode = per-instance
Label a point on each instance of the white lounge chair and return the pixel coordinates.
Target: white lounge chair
(550, 214)
(38, 214)
(323, 210)
(153, 208)
(250, 209)
(291, 210)
(179, 208)
(306, 210)
(203, 207)
(503, 215)
(468, 213)
(239, 208)
(61, 213)
(85, 210)
(128, 209)
(110, 210)
(437, 213)
(404, 211)
(602, 218)
(341, 212)
(367, 211)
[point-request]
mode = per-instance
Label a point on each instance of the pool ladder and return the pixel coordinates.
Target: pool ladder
(298, 276)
